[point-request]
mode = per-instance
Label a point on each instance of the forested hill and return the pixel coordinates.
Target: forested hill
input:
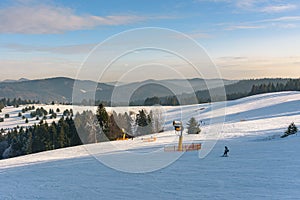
(233, 91)
(60, 89)
(46, 90)
(245, 88)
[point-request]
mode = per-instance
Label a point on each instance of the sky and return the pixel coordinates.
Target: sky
(243, 38)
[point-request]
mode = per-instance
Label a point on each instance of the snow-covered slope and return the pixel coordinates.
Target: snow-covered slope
(14, 120)
(260, 164)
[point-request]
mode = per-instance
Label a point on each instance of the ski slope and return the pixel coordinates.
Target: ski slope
(260, 165)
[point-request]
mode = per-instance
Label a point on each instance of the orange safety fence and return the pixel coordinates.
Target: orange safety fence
(152, 139)
(185, 147)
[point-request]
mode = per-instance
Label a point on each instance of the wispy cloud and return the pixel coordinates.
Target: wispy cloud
(249, 67)
(216, 1)
(282, 19)
(44, 19)
(265, 6)
(246, 4)
(288, 26)
(256, 61)
(38, 67)
(200, 35)
(243, 4)
(237, 27)
(285, 22)
(194, 35)
(279, 8)
(68, 49)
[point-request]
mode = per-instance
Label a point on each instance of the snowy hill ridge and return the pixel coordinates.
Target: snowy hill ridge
(250, 130)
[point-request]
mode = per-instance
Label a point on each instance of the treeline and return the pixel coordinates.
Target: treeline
(204, 96)
(291, 85)
(15, 102)
(84, 128)
(142, 123)
(164, 101)
(38, 138)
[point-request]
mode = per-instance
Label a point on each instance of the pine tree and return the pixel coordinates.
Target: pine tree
(38, 139)
(144, 123)
(75, 139)
(53, 135)
(103, 118)
(114, 129)
(61, 138)
(2, 105)
(193, 126)
(28, 143)
(292, 129)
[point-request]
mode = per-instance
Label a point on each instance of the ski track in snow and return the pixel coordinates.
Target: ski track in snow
(260, 164)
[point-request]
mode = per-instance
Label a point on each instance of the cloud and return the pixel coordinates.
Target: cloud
(68, 49)
(264, 6)
(288, 26)
(246, 3)
(257, 5)
(237, 27)
(45, 19)
(200, 35)
(259, 67)
(282, 19)
(257, 61)
(285, 22)
(216, 1)
(279, 8)
(194, 35)
(42, 67)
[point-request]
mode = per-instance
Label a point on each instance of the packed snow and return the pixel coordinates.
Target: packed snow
(261, 165)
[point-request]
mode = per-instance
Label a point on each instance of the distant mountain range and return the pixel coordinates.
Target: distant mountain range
(60, 89)
(12, 81)
(46, 90)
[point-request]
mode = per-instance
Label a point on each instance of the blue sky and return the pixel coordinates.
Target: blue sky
(245, 39)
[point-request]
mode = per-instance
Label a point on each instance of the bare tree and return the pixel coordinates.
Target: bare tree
(158, 119)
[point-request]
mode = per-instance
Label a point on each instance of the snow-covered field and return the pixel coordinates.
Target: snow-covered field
(260, 164)
(14, 120)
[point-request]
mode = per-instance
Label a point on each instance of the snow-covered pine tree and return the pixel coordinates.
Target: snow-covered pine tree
(144, 123)
(103, 118)
(193, 126)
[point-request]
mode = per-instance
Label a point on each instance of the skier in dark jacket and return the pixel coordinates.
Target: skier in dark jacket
(226, 151)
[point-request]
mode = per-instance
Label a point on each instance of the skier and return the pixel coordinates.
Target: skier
(225, 151)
